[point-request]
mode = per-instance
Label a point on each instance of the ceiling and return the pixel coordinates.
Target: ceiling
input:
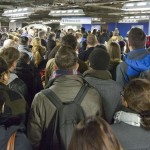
(108, 10)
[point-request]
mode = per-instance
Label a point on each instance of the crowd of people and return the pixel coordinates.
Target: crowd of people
(74, 90)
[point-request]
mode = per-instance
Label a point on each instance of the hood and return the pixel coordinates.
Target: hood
(12, 78)
(138, 61)
(101, 74)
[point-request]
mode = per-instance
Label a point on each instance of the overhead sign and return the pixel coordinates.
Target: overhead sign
(76, 20)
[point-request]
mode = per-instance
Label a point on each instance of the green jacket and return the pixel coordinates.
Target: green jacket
(42, 110)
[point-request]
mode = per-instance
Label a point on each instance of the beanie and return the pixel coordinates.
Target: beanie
(99, 59)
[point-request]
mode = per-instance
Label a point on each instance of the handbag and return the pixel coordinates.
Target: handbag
(11, 142)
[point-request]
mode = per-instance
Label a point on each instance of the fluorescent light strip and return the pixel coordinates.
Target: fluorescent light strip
(70, 12)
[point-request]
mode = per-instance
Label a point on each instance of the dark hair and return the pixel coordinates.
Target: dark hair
(51, 35)
(10, 55)
(94, 133)
(137, 95)
(66, 57)
(3, 66)
(114, 51)
(23, 40)
(69, 40)
(24, 57)
(99, 59)
(137, 38)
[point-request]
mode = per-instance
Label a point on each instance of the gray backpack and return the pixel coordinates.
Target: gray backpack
(67, 115)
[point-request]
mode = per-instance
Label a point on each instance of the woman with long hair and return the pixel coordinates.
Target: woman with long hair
(115, 58)
(94, 133)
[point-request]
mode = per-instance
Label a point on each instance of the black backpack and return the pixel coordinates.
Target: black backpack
(68, 114)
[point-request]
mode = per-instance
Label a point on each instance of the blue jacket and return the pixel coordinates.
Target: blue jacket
(21, 141)
(134, 63)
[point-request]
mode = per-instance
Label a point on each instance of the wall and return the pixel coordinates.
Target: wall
(125, 27)
(90, 27)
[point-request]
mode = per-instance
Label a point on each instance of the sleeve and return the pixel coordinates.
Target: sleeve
(121, 74)
(34, 128)
(21, 142)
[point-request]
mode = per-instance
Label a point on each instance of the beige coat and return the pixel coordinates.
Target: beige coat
(42, 110)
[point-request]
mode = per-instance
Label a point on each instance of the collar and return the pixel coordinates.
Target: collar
(59, 72)
(128, 118)
(102, 74)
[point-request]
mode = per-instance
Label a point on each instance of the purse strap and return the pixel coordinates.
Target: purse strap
(11, 142)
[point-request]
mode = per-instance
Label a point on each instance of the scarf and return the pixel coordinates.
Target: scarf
(58, 73)
(128, 118)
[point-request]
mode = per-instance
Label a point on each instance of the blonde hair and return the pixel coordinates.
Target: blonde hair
(38, 51)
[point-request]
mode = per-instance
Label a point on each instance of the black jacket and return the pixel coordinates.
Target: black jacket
(15, 104)
(19, 86)
(31, 78)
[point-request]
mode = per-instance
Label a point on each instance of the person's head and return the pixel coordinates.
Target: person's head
(114, 51)
(136, 39)
(66, 58)
(36, 42)
(137, 97)
(9, 43)
(99, 59)
(52, 36)
(24, 57)
(41, 34)
(24, 40)
(79, 36)
(94, 133)
(69, 40)
(91, 40)
(11, 56)
(116, 32)
(4, 73)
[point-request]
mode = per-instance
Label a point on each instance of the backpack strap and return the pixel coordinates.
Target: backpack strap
(56, 100)
(81, 94)
(52, 97)
(11, 142)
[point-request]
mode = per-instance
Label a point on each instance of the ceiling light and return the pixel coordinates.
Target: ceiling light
(136, 6)
(141, 4)
(27, 10)
(69, 12)
(129, 4)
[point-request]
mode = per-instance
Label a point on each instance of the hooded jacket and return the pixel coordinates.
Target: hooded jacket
(134, 63)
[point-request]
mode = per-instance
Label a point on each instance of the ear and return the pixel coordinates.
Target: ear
(130, 47)
(124, 103)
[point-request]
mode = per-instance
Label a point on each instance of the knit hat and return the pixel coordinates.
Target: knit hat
(99, 59)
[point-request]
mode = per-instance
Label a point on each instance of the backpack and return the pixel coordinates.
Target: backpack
(67, 116)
